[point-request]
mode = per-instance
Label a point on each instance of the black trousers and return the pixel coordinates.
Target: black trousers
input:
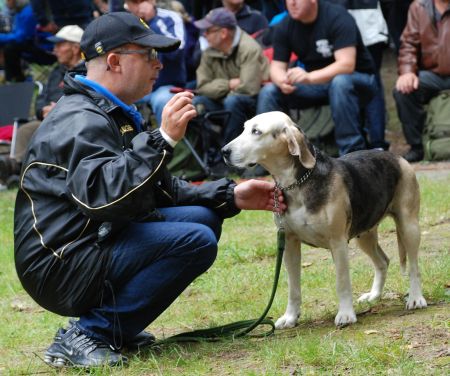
(410, 107)
(28, 51)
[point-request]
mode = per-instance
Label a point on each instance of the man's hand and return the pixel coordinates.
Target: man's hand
(234, 83)
(258, 195)
(407, 83)
(286, 88)
(297, 75)
(46, 109)
(176, 115)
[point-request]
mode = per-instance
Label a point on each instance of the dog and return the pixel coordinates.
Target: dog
(331, 201)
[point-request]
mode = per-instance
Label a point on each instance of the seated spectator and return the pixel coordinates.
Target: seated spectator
(231, 70)
(248, 19)
(374, 32)
(20, 42)
(68, 53)
(62, 13)
(168, 23)
(423, 66)
(191, 52)
(338, 68)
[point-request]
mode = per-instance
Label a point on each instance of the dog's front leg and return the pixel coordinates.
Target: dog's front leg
(346, 314)
(292, 259)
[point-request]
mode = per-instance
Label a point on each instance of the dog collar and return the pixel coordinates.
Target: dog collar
(298, 182)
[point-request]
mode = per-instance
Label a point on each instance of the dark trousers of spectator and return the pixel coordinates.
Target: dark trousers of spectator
(395, 13)
(375, 111)
(410, 107)
(15, 52)
(241, 107)
(346, 94)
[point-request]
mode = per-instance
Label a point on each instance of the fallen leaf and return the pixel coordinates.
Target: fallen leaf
(371, 331)
(306, 264)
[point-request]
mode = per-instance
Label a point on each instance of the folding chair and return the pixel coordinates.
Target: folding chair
(15, 107)
(210, 127)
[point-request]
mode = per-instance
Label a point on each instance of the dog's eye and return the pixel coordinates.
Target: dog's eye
(256, 132)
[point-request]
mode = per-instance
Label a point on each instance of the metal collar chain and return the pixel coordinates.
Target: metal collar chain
(297, 183)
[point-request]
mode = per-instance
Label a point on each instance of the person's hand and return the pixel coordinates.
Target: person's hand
(47, 109)
(176, 114)
(286, 88)
(407, 83)
(297, 75)
(258, 195)
(234, 83)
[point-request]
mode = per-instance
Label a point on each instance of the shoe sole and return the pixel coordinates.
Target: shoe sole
(60, 361)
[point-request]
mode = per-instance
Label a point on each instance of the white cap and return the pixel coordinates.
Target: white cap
(69, 33)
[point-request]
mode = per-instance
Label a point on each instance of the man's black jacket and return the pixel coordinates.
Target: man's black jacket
(86, 175)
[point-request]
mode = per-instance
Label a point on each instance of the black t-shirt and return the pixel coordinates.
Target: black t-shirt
(314, 44)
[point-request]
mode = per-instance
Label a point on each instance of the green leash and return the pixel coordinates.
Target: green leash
(239, 328)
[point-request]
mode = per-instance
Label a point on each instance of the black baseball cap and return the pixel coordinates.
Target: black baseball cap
(115, 29)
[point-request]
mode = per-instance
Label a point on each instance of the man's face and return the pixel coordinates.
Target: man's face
(145, 9)
(65, 53)
(139, 71)
(232, 2)
(11, 4)
(214, 36)
(300, 9)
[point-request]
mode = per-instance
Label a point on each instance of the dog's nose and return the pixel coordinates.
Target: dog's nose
(226, 153)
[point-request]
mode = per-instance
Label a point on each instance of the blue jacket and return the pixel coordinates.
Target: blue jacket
(23, 28)
(170, 24)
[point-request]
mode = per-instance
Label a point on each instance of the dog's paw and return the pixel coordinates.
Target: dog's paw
(368, 297)
(286, 321)
(344, 318)
(415, 303)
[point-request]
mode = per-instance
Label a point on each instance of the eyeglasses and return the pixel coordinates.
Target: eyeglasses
(211, 30)
(151, 53)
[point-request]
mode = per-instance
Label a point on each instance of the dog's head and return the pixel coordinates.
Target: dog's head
(266, 139)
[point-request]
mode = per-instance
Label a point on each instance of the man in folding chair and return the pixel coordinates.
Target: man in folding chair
(67, 51)
(231, 71)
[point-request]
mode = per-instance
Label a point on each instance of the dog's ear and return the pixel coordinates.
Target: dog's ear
(297, 145)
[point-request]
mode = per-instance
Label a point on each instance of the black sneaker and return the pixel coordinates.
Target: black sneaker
(72, 348)
(141, 340)
(414, 155)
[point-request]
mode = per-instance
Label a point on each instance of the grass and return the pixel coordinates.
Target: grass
(386, 340)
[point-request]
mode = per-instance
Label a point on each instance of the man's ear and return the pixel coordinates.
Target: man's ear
(113, 62)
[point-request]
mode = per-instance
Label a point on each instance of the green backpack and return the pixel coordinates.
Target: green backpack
(318, 125)
(436, 135)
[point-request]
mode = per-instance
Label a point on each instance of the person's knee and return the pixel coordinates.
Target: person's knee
(206, 245)
(342, 83)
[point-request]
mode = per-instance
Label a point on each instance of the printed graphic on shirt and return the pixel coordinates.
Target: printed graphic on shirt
(324, 47)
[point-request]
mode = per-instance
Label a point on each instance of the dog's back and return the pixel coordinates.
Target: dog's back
(371, 178)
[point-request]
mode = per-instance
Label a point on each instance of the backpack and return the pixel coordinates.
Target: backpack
(436, 135)
(183, 163)
(318, 125)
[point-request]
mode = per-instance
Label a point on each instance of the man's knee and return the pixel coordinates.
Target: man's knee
(342, 83)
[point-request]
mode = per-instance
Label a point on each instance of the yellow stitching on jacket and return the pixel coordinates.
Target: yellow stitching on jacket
(126, 194)
(219, 206)
(34, 214)
(78, 237)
